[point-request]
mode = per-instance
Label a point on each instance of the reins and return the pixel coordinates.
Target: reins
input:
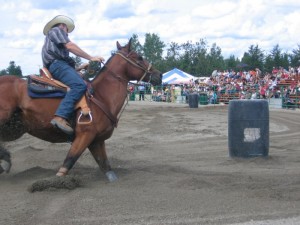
(146, 71)
(106, 111)
(115, 119)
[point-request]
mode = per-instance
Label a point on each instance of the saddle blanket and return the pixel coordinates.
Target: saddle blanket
(40, 89)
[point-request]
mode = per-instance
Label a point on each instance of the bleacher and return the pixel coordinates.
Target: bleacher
(293, 102)
(226, 97)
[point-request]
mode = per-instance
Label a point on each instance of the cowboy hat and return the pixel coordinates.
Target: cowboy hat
(59, 19)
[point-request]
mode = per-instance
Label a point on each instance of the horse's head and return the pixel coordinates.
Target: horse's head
(138, 68)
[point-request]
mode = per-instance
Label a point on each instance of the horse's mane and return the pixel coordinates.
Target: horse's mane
(103, 68)
(10, 77)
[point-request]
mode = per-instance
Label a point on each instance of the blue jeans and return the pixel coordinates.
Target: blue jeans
(66, 74)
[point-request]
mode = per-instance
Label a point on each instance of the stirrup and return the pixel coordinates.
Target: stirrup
(89, 114)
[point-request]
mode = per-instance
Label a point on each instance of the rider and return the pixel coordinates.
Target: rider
(55, 56)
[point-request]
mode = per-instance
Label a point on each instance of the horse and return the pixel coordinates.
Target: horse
(20, 114)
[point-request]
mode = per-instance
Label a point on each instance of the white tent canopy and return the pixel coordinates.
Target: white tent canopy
(177, 76)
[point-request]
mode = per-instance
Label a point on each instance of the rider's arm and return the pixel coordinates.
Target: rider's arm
(76, 50)
(72, 47)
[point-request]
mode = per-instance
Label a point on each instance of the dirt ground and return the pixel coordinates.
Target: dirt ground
(173, 166)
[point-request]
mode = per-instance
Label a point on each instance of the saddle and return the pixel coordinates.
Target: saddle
(46, 86)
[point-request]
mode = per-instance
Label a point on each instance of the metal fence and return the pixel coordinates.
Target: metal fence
(278, 98)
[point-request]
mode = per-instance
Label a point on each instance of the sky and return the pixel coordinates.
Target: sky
(233, 25)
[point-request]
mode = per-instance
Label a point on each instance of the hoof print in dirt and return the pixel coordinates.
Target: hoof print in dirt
(55, 183)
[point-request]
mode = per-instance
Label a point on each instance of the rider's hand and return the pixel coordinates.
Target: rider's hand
(97, 59)
(82, 66)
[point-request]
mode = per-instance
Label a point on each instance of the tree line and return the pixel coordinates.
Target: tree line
(12, 69)
(200, 59)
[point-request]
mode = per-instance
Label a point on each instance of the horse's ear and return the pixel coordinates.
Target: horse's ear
(118, 46)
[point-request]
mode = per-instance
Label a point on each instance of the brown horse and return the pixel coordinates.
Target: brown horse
(21, 114)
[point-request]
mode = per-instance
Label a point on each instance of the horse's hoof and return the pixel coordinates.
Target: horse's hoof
(111, 176)
(4, 166)
(62, 172)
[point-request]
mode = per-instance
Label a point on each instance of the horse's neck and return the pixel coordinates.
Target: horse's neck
(111, 91)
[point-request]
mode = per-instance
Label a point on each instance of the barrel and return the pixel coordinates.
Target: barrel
(248, 128)
(132, 96)
(203, 99)
(193, 100)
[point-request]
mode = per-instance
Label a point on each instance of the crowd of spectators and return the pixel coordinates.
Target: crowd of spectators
(249, 84)
(255, 84)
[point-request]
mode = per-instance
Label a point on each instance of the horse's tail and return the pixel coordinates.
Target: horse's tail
(5, 161)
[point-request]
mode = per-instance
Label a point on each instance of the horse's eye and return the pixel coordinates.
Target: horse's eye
(140, 58)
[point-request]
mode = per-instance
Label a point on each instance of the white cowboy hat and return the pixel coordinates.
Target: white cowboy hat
(59, 19)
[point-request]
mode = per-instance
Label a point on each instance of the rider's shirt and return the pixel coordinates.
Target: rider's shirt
(54, 47)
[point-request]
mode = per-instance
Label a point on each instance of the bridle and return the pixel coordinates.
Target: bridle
(146, 70)
(137, 64)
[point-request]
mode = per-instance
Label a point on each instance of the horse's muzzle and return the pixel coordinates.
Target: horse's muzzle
(156, 78)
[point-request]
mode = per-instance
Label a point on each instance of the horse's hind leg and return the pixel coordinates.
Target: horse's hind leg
(11, 125)
(5, 162)
(97, 148)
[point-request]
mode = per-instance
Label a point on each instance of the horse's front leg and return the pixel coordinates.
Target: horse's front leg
(5, 161)
(77, 148)
(97, 148)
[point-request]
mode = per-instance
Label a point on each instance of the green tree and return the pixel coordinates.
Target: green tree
(276, 56)
(199, 58)
(12, 69)
(153, 48)
(187, 57)
(231, 62)
(295, 57)
(136, 45)
(269, 63)
(3, 72)
(285, 59)
(173, 52)
(215, 58)
(254, 58)
(172, 58)
(277, 59)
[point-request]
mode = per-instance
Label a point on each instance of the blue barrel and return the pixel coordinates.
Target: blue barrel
(248, 128)
(193, 100)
